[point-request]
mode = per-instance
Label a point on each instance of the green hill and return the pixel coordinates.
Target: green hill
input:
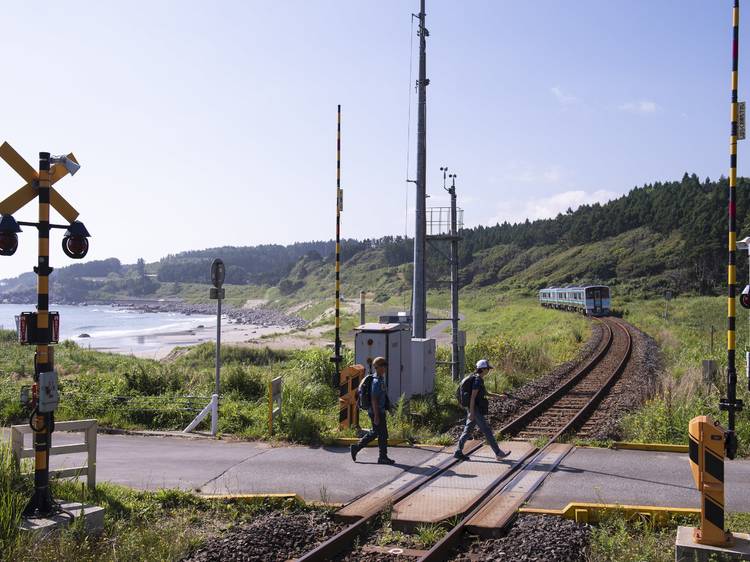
(660, 236)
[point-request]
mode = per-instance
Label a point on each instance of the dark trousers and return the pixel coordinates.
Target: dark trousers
(378, 430)
(481, 423)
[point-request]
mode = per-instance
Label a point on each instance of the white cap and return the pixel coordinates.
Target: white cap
(484, 364)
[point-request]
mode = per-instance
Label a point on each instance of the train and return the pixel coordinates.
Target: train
(591, 300)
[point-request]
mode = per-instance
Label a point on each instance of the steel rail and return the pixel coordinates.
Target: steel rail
(346, 537)
(518, 423)
(442, 549)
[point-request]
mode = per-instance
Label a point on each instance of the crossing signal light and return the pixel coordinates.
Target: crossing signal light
(8, 235)
(75, 243)
(745, 297)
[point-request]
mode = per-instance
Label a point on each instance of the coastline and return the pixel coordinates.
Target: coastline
(157, 339)
(164, 344)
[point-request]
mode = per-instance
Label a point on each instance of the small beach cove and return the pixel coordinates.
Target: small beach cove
(153, 329)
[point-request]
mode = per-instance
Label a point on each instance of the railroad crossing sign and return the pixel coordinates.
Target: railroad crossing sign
(26, 194)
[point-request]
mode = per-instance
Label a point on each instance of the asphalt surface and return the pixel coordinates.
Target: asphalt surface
(232, 467)
(328, 474)
(627, 477)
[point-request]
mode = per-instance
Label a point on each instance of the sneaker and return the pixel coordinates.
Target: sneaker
(461, 455)
(501, 455)
(385, 460)
(354, 449)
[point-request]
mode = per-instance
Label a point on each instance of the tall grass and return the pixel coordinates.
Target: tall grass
(14, 493)
(684, 339)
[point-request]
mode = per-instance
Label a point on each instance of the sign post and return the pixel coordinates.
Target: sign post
(274, 402)
(216, 292)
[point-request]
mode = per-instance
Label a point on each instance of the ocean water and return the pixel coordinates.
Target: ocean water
(110, 328)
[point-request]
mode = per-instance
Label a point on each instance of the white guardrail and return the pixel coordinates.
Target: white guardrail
(88, 427)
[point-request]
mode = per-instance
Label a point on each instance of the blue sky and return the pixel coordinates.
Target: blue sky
(205, 124)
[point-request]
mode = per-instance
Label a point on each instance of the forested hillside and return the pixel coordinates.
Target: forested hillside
(660, 236)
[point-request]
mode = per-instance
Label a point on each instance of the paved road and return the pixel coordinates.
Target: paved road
(635, 478)
(328, 473)
(222, 467)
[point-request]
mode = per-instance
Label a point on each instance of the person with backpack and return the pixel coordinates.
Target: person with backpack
(472, 395)
(374, 398)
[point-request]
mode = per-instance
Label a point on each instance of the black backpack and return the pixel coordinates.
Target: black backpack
(364, 393)
(463, 392)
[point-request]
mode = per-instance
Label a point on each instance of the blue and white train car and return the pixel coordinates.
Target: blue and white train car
(592, 300)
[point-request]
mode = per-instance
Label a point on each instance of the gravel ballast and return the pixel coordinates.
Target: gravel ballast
(533, 538)
(272, 536)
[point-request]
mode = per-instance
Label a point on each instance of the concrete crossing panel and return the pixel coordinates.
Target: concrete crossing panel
(454, 492)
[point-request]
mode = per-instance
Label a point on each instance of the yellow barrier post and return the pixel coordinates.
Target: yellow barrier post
(349, 380)
(706, 452)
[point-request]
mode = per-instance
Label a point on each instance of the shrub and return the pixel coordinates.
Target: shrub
(235, 378)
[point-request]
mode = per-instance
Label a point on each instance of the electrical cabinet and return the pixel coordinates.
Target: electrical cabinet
(392, 342)
(423, 363)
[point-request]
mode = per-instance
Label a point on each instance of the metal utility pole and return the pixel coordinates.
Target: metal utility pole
(419, 303)
(730, 403)
(455, 352)
(448, 231)
(336, 359)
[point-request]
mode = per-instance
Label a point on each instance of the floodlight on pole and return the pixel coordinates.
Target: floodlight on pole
(71, 165)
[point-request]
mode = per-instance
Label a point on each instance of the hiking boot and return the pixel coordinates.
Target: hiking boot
(385, 460)
(501, 455)
(354, 449)
(461, 456)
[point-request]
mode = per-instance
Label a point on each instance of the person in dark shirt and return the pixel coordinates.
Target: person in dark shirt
(377, 413)
(476, 412)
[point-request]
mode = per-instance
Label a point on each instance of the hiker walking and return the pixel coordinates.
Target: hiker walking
(472, 396)
(373, 398)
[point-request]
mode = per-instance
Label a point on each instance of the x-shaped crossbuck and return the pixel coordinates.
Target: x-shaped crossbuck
(24, 195)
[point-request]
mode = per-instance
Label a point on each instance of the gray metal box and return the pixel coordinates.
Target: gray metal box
(423, 363)
(392, 342)
(48, 394)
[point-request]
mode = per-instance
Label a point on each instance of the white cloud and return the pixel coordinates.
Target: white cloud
(562, 97)
(548, 207)
(641, 107)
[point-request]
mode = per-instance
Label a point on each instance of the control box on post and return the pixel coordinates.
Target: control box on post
(49, 396)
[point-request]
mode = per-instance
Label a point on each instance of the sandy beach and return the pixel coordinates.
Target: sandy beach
(162, 344)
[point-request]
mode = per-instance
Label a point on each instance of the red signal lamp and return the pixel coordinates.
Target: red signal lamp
(8, 235)
(75, 243)
(745, 297)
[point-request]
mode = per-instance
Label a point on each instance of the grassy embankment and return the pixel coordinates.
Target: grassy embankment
(685, 340)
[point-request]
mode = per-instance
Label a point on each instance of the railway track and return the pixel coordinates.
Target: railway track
(562, 412)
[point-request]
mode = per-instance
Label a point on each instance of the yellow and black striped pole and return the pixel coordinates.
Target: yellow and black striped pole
(43, 423)
(730, 403)
(339, 204)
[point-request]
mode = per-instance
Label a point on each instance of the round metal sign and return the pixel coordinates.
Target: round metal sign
(217, 273)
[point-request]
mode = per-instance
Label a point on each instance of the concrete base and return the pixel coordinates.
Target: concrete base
(93, 517)
(688, 551)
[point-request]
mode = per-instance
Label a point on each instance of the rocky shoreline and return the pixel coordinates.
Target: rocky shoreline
(258, 316)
